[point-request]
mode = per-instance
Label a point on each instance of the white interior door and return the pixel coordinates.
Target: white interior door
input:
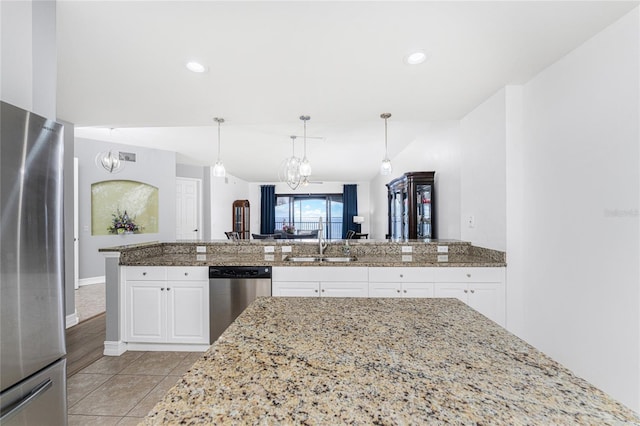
(188, 209)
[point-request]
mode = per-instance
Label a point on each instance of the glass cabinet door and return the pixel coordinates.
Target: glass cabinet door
(423, 214)
(241, 218)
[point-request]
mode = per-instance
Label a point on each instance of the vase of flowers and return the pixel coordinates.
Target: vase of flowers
(121, 223)
(288, 228)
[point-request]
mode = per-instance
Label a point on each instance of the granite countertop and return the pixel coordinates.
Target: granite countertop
(182, 259)
(384, 361)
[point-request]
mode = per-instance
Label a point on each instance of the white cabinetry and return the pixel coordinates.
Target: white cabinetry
(166, 305)
(401, 282)
(316, 281)
(481, 288)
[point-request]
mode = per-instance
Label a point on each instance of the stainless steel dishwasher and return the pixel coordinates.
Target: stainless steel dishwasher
(231, 290)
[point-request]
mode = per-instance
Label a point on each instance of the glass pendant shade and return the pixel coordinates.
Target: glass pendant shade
(385, 167)
(219, 170)
(218, 167)
(110, 162)
(290, 168)
(305, 168)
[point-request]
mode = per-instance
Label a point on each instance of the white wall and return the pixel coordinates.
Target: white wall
(483, 174)
(224, 191)
(28, 59)
(436, 149)
(324, 188)
(154, 167)
(581, 191)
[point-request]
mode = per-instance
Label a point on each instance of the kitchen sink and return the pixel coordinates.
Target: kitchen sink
(336, 259)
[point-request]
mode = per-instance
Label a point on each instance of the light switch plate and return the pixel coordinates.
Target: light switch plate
(443, 249)
(407, 258)
(407, 249)
(269, 249)
(201, 249)
(201, 257)
(269, 257)
(286, 249)
(443, 258)
(471, 221)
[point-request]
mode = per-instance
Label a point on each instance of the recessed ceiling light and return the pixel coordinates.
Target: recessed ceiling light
(195, 67)
(415, 58)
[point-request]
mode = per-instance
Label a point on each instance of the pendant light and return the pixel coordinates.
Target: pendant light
(305, 166)
(218, 168)
(385, 167)
(290, 170)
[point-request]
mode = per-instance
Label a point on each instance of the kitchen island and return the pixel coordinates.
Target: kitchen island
(384, 361)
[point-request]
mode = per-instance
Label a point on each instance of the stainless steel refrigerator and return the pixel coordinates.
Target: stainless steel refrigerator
(32, 338)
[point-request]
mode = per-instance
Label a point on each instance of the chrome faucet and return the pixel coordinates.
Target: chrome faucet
(321, 245)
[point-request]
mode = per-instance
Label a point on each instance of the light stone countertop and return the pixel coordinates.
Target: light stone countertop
(384, 361)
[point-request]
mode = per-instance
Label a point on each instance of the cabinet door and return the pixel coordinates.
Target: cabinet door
(488, 299)
(295, 288)
(457, 290)
(145, 311)
(417, 289)
(344, 289)
(187, 312)
(377, 289)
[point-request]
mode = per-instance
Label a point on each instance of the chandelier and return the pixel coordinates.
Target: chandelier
(290, 169)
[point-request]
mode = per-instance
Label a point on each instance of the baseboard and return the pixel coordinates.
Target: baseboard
(114, 348)
(72, 319)
(90, 280)
(167, 347)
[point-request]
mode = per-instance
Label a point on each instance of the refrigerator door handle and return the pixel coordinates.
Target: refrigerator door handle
(14, 408)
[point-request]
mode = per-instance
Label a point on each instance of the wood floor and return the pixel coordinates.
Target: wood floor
(85, 343)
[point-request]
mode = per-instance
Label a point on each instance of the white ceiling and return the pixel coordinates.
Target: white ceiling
(121, 66)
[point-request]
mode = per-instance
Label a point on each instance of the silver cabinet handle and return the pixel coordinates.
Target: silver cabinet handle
(144, 273)
(14, 408)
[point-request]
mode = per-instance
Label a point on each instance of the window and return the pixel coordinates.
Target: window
(302, 213)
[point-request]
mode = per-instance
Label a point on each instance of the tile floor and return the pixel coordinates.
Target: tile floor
(90, 301)
(122, 390)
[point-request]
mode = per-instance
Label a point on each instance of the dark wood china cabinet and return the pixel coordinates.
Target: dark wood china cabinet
(241, 219)
(411, 206)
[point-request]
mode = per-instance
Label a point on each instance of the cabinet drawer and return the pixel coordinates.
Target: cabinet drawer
(413, 275)
(320, 273)
(187, 273)
(146, 273)
(470, 275)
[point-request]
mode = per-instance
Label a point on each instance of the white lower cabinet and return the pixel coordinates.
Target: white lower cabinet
(400, 282)
(481, 288)
(172, 310)
(317, 281)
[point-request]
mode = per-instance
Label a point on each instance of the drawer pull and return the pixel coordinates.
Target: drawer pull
(323, 290)
(316, 290)
(468, 275)
(186, 274)
(405, 291)
(466, 291)
(473, 291)
(401, 276)
(398, 291)
(161, 288)
(168, 288)
(144, 273)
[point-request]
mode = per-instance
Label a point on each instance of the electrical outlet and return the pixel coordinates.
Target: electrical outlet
(269, 249)
(443, 249)
(443, 258)
(201, 257)
(201, 249)
(407, 249)
(407, 258)
(286, 249)
(269, 257)
(471, 221)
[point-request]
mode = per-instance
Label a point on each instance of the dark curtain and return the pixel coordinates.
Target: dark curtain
(349, 208)
(268, 209)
